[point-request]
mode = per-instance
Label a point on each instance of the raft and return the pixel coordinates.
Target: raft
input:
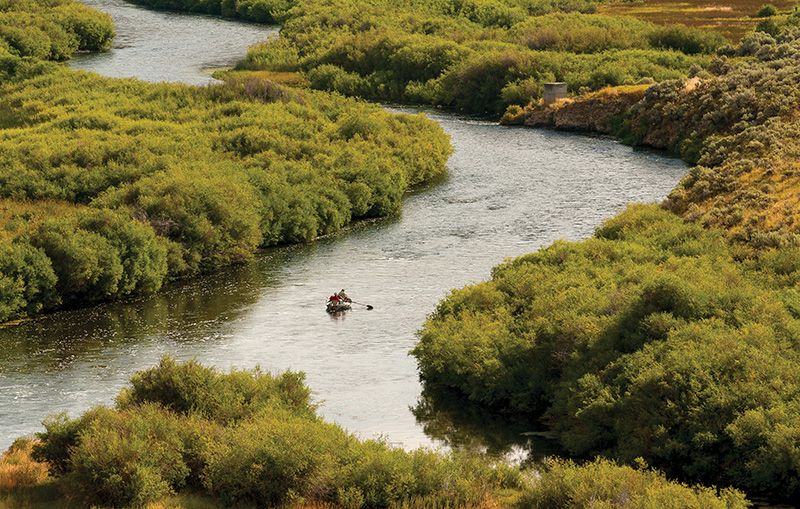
(336, 307)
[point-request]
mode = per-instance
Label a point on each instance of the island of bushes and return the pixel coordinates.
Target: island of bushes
(113, 187)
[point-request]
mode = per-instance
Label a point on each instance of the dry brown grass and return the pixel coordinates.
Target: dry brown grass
(732, 18)
(18, 470)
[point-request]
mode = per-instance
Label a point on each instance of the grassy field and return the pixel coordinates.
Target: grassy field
(732, 18)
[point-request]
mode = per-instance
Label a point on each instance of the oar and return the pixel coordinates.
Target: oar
(360, 304)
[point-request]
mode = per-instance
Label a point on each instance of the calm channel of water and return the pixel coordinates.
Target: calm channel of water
(509, 191)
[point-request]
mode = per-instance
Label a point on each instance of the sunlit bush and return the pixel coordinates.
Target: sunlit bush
(478, 56)
(602, 483)
(174, 180)
(53, 30)
(246, 437)
(18, 470)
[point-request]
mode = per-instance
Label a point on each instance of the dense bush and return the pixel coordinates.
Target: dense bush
(650, 340)
(27, 280)
(18, 471)
(602, 483)
(164, 181)
(739, 126)
(245, 437)
(128, 458)
(258, 11)
(52, 30)
(190, 388)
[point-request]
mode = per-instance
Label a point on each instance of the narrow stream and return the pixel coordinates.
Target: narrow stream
(509, 191)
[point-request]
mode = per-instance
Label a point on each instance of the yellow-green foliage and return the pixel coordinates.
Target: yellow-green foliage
(52, 30)
(740, 126)
(603, 484)
(245, 438)
(167, 180)
(479, 56)
(655, 338)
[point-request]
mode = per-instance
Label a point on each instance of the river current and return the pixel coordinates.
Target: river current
(508, 192)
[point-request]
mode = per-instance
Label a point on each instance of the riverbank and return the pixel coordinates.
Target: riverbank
(182, 432)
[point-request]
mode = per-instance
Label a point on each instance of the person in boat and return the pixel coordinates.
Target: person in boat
(333, 299)
(343, 296)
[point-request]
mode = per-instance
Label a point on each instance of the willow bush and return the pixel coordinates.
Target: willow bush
(738, 125)
(478, 56)
(251, 438)
(563, 484)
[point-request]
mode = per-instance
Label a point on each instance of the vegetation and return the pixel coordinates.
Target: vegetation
(52, 29)
(479, 56)
(112, 187)
(734, 19)
(251, 439)
(475, 56)
(602, 483)
(662, 339)
(740, 127)
(244, 437)
(655, 339)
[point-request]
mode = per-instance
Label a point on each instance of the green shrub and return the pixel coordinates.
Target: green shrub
(767, 11)
(128, 458)
(687, 40)
(177, 180)
(274, 458)
(602, 483)
(27, 281)
(56, 443)
(189, 388)
(53, 30)
(649, 340)
(93, 30)
(88, 267)
(246, 437)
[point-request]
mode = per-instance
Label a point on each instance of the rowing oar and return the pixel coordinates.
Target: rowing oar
(360, 304)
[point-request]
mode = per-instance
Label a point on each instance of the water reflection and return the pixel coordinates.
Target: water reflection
(183, 313)
(459, 424)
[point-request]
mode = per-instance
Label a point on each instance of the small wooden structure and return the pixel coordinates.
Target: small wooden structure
(554, 92)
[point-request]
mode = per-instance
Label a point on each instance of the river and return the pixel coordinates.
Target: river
(508, 192)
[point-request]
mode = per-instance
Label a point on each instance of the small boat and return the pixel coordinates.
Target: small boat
(337, 307)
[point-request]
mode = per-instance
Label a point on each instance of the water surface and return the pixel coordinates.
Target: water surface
(162, 46)
(508, 192)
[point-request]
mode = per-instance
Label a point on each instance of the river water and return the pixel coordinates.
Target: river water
(508, 192)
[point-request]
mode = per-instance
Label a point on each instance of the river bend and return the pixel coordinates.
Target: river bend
(508, 192)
